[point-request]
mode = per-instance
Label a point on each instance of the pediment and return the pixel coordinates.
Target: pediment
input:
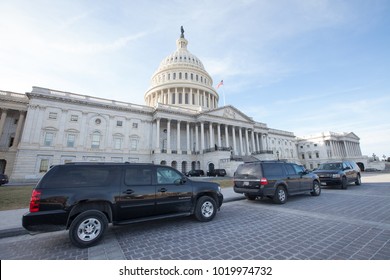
(353, 136)
(228, 112)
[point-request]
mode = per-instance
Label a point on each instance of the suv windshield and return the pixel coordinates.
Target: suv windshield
(331, 166)
(248, 171)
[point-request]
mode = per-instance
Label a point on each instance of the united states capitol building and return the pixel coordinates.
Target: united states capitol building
(180, 125)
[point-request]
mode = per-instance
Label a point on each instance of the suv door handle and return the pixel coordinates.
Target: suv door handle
(129, 191)
(162, 190)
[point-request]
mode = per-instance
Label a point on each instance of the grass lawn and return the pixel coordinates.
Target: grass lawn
(224, 182)
(15, 197)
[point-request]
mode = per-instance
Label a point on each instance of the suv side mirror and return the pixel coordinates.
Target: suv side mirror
(181, 181)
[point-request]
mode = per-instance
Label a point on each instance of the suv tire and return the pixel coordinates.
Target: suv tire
(358, 180)
(316, 189)
(280, 196)
(88, 228)
(205, 209)
(344, 183)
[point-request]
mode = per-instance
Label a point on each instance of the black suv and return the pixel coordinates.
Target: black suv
(339, 173)
(274, 179)
(217, 172)
(86, 197)
(195, 173)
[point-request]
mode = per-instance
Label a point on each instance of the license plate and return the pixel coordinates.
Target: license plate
(324, 184)
(245, 184)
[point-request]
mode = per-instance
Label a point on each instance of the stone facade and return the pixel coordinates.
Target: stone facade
(181, 126)
(325, 146)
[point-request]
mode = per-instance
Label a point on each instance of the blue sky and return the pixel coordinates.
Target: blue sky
(305, 66)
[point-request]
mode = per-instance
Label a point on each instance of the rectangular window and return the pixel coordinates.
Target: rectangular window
(119, 123)
(95, 141)
(44, 165)
(52, 116)
(138, 175)
(49, 136)
(133, 144)
(135, 125)
(70, 140)
(117, 143)
(74, 118)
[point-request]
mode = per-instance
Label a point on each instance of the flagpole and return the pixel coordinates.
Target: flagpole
(224, 101)
(223, 92)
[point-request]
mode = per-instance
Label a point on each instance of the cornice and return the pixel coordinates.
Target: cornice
(71, 98)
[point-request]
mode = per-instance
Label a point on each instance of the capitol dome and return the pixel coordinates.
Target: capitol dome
(182, 80)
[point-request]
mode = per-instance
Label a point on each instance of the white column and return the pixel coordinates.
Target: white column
(234, 140)
(211, 135)
(247, 142)
(196, 138)
(219, 135)
(188, 138)
(240, 138)
(158, 134)
(178, 138)
(2, 120)
(258, 135)
(201, 137)
(227, 136)
(169, 136)
(18, 129)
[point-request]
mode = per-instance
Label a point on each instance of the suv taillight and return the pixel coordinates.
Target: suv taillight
(263, 181)
(35, 200)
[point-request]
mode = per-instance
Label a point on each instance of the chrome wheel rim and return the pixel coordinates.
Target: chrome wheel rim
(282, 195)
(316, 188)
(89, 229)
(207, 209)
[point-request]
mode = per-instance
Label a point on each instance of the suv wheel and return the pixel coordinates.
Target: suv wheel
(280, 196)
(344, 183)
(205, 209)
(88, 228)
(316, 189)
(358, 180)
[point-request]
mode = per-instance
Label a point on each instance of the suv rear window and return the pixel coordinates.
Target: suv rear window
(249, 171)
(80, 176)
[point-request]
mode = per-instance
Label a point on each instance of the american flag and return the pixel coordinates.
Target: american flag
(220, 84)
